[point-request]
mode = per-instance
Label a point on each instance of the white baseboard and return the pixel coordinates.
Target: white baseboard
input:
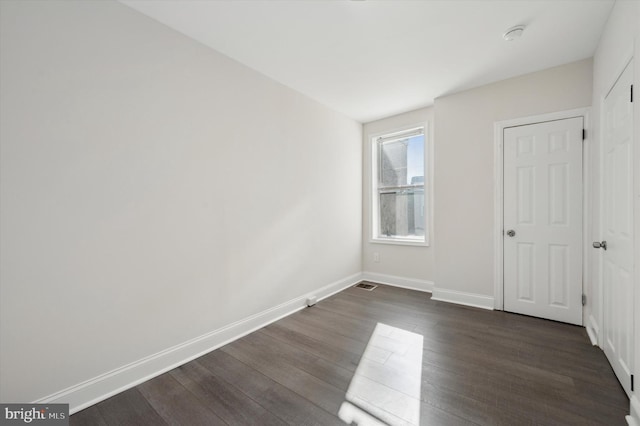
(633, 419)
(593, 331)
(395, 281)
(463, 298)
(99, 388)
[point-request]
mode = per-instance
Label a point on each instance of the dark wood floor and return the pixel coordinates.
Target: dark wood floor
(478, 367)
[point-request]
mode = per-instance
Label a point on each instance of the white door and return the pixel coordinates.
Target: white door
(617, 228)
(543, 220)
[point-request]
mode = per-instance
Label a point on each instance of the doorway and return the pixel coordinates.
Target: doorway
(618, 228)
(540, 216)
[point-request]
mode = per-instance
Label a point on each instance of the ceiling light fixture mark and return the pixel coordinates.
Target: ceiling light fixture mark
(513, 33)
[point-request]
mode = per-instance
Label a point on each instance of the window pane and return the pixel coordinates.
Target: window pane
(415, 160)
(402, 213)
(402, 162)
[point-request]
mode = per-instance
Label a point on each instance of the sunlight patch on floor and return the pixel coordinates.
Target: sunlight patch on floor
(385, 388)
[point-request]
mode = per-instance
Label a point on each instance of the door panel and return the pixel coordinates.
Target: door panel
(618, 228)
(558, 194)
(527, 264)
(526, 196)
(558, 274)
(543, 206)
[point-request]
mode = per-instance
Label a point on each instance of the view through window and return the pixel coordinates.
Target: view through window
(400, 186)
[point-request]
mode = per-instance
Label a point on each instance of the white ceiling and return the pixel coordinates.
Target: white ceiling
(372, 59)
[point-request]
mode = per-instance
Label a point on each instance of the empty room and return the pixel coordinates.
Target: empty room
(322, 212)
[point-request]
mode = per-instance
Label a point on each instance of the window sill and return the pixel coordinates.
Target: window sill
(400, 241)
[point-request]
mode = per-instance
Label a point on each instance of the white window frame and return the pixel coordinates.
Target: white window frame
(374, 210)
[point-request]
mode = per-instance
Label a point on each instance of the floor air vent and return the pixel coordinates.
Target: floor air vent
(366, 286)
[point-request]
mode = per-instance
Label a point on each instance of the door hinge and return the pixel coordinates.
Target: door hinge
(584, 299)
(632, 383)
(584, 134)
(632, 93)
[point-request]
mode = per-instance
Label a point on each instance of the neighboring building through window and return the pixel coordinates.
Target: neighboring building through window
(399, 187)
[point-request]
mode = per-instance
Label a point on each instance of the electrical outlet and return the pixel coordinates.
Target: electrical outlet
(376, 257)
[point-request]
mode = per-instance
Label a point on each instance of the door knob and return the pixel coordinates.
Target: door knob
(602, 245)
(511, 233)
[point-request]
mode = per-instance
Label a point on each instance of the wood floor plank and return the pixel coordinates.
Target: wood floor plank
(477, 367)
(354, 345)
(229, 403)
(512, 397)
(279, 400)
(604, 394)
(451, 357)
(175, 404)
(372, 312)
(330, 353)
(88, 417)
(338, 323)
(128, 408)
(472, 409)
(430, 415)
(259, 355)
(289, 353)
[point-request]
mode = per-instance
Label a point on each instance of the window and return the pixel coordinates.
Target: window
(399, 199)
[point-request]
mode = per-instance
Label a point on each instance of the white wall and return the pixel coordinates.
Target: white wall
(406, 265)
(152, 191)
(620, 42)
(464, 168)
